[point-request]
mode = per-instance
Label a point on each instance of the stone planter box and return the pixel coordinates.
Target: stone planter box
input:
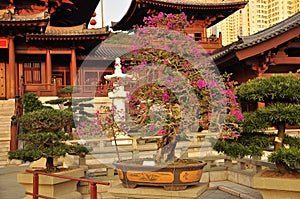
(53, 187)
(277, 187)
(171, 177)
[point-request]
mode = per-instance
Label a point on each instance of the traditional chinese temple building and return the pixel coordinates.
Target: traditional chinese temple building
(40, 42)
(201, 15)
(44, 42)
(275, 50)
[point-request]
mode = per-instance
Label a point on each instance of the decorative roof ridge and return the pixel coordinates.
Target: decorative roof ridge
(37, 16)
(7, 15)
(79, 30)
(54, 29)
(268, 33)
(196, 2)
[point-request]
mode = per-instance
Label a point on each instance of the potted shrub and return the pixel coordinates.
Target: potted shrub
(170, 92)
(44, 137)
(281, 97)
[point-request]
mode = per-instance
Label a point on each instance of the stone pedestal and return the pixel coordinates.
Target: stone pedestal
(277, 187)
(53, 187)
(192, 192)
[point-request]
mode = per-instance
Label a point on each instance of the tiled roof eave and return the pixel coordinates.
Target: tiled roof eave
(65, 36)
(267, 37)
(23, 23)
(263, 36)
(194, 4)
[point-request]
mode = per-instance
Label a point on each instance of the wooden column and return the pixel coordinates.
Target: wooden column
(48, 67)
(73, 67)
(11, 70)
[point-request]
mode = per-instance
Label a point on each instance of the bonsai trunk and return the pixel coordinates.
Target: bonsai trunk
(281, 165)
(50, 164)
(281, 131)
(166, 148)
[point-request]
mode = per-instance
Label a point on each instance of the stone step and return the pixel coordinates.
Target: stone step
(5, 131)
(236, 189)
(4, 136)
(4, 149)
(7, 108)
(5, 123)
(3, 156)
(3, 163)
(5, 119)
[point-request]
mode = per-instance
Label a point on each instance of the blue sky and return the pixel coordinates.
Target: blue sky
(114, 10)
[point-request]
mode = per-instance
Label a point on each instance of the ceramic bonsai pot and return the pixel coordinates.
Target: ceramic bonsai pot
(172, 177)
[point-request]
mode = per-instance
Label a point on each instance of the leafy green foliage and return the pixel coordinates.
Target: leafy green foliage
(281, 95)
(270, 89)
(290, 156)
(31, 102)
(44, 136)
(271, 115)
(50, 120)
(246, 145)
(69, 90)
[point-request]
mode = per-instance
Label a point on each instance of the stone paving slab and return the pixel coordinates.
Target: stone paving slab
(10, 189)
(191, 192)
(217, 194)
(236, 189)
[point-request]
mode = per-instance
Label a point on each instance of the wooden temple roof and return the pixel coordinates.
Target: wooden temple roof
(63, 12)
(79, 32)
(262, 39)
(8, 19)
(198, 9)
(108, 52)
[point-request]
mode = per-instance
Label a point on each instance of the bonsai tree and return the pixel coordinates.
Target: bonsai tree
(171, 92)
(44, 136)
(281, 95)
(69, 90)
(74, 105)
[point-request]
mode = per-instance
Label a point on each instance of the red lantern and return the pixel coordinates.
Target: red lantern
(93, 22)
(94, 14)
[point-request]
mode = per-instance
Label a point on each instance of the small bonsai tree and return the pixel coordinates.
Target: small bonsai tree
(69, 90)
(281, 95)
(44, 136)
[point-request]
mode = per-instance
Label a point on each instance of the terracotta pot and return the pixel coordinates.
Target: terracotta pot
(172, 177)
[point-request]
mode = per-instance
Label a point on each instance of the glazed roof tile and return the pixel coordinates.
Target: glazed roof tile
(199, 2)
(198, 9)
(112, 51)
(73, 31)
(259, 37)
(7, 16)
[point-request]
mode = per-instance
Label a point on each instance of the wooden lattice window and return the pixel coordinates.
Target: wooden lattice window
(32, 72)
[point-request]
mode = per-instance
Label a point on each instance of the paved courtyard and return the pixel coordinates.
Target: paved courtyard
(10, 189)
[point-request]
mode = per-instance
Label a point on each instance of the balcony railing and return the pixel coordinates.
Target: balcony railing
(54, 90)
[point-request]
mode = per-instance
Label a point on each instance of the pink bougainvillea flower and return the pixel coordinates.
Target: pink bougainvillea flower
(239, 115)
(201, 83)
(166, 97)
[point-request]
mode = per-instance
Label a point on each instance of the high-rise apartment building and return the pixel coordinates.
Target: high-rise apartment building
(257, 15)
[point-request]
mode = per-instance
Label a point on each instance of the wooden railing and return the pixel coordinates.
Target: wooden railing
(35, 192)
(39, 89)
(53, 90)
